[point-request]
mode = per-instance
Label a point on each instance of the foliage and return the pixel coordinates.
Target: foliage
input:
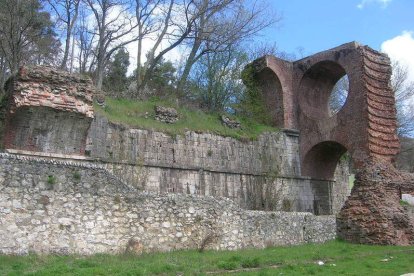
(404, 99)
(252, 104)
(216, 79)
(141, 114)
(76, 176)
(340, 258)
(26, 36)
(163, 77)
(51, 179)
(116, 79)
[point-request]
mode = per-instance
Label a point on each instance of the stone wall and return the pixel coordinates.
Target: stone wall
(259, 175)
(275, 152)
(50, 205)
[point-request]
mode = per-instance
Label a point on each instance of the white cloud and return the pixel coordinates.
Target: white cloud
(383, 3)
(400, 48)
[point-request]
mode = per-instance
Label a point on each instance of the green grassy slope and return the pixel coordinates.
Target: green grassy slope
(141, 114)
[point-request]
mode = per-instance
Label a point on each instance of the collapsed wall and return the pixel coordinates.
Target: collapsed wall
(373, 214)
(48, 111)
(52, 206)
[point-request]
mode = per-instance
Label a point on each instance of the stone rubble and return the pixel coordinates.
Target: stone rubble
(230, 123)
(166, 114)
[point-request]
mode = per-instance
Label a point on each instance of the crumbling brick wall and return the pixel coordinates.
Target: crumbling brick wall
(373, 213)
(48, 111)
(365, 127)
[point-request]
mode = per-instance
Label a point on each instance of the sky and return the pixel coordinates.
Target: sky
(317, 25)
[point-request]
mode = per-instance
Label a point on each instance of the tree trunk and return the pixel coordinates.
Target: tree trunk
(67, 46)
(188, 65)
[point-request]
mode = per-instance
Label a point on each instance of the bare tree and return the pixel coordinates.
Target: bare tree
(219, 25)
(84, 41)
(67, 13)
(404, 99)
(151, 16)
(113, 28)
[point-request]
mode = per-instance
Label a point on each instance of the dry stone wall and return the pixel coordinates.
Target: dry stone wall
(52, 206)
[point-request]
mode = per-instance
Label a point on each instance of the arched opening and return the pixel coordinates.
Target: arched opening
(338, 96)
(321, 160)
(272, 92)
(329, 165)
(317, 86)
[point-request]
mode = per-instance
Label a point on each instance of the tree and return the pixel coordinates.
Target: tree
(67, 13)
(25, 30)
(84, 41)
(151, 16)
(404, 97)
(113, 28)
(116, 79)
(217, 79)
(163, 77)
(221, 24)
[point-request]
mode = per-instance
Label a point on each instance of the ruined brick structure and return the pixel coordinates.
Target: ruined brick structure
(297, 94)
(49, 111)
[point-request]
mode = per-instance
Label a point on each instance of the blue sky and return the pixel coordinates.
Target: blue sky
(317, 25)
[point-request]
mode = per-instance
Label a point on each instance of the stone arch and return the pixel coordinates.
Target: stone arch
(321, 160)
(316, 87)
(272, 91)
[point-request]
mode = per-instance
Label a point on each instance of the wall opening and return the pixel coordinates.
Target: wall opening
(321, 160)
(338, 96)
(272, 92)
(316, 88)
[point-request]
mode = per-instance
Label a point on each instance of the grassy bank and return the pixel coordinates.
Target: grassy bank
(141, 114)
(339, 258)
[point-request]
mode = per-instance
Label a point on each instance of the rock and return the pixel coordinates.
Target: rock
(166, 114)
(230, 122)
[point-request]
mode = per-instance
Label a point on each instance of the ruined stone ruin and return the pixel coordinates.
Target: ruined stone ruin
(74, 182)
(298, 93)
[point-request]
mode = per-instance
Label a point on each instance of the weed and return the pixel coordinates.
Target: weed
(76, 176)
(51, 179)
(403, 203)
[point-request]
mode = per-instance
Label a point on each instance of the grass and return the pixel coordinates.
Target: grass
(340, 258)
(140, 114)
